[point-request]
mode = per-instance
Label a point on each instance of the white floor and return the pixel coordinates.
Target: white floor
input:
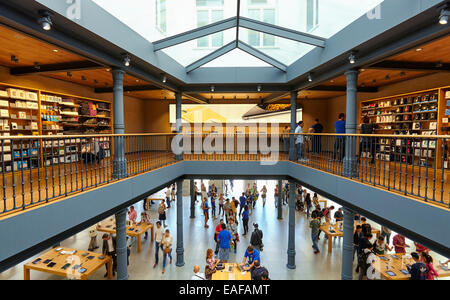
(197, 239)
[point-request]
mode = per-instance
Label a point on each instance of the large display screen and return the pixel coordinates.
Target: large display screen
(233, 113)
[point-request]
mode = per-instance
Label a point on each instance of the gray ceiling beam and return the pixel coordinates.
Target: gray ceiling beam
(262, 56)
(331, 88)
(410, 66)
(247, 88)
(282, 32)
(195, 33)
(274, 97)
(55, 68)
(212, 56)
(137, 88)
(196, 98)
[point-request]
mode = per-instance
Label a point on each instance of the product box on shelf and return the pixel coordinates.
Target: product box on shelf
(4, 103)
(31, 96)
(4, 113)
(3, 94)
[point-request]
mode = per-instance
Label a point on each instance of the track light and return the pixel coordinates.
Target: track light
(45, 20)
(83, 78)
(213, 88)
(14, 59)
(352, 58)
(164, 79)
(126, 60)
(259, 88)
(37, 66)
(310, 77)
(445, 14)
(69, 74)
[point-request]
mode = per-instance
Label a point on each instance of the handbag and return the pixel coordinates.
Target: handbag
(166, 250)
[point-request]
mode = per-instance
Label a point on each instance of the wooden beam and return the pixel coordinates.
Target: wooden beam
(410, 66)
(56, 68)
(137, 88)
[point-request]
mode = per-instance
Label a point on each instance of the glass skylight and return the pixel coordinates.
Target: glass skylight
(159, 19)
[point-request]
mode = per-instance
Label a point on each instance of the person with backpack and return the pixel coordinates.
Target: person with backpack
(365, 252)
(162, 212)
(326, 212)
(315, 229)
(418, 270)
(205, 209)
(256, 238)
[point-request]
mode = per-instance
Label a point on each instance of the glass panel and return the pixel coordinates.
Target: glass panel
(159, 19)
(237, 58)
(319, 17)
(284, 50)
(189, 52)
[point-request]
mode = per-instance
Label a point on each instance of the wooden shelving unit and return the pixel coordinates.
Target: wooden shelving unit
(417, 113)
(26, 111)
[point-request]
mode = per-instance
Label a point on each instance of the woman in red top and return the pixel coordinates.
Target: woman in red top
(421, 249)
(431, 271)
(399, 244)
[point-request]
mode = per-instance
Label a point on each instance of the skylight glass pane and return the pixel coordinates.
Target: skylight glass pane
(284, 50)
(189, 52)
(237, 58)
(318, 17)
(159, 19)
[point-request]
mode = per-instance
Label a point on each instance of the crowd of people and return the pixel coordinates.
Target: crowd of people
(231, 212)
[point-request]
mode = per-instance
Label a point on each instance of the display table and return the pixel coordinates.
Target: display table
(235, 274)
(88, 260)
(148, 200)
(336, 232)
(395, 264)
(109, 226)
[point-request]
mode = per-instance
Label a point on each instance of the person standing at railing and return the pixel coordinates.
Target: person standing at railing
(339, 143)
(316, 140)
(367, 144)
(299, 141)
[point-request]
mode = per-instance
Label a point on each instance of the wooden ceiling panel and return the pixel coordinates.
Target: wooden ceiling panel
(231, 96)
(378, 78)
(436, 51)
(29, 50)
(102, 76)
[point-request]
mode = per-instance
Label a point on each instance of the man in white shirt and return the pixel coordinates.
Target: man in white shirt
(197, 274)
(159, 233)
(299, 141)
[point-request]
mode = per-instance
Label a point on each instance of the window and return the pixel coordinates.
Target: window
(210, 11)
(161, 15)
(312, 14)
(261, 10)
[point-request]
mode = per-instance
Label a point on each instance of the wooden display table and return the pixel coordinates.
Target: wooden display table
(88, 260)
(396, 264)
(235, 274)
(148, 200)
(109, 226)
(340, 233)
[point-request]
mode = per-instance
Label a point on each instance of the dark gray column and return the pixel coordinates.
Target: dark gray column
(180, 246)
(347, 248)
(121, 245)
(349, 169)
(292, 152)
(291, 243)
(119, 162)
(280, 203)
(193, 198)
(178, 127)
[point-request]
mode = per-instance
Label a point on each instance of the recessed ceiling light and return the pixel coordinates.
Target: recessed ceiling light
(137, 80)
(332, 80)
(362, 70)
(419, 49)
(55, 50)
(108, 70)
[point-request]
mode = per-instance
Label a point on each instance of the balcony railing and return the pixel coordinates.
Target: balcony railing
(40, 169)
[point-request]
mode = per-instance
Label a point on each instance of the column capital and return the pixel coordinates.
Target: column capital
(294, 94)
(115, 71)
(352, 72)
